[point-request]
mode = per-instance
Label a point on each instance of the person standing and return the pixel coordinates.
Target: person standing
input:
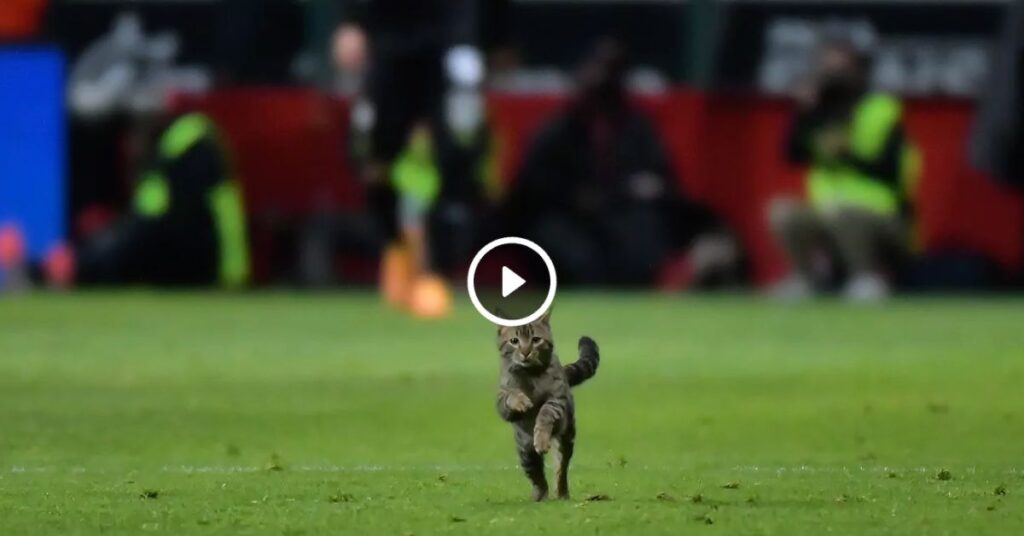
(417, 124)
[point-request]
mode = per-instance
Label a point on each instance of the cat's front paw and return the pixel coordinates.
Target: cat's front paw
(518, 402)
(542, 441)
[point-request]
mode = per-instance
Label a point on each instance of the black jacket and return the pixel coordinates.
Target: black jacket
(587, 171)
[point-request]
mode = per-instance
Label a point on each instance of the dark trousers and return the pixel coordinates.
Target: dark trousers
(168, 251)
(406, 89)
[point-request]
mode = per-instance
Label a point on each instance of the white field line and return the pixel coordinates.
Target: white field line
(766, 470)
(228, 469)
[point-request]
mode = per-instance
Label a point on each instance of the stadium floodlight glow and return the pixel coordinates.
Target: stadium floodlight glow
(512, 241)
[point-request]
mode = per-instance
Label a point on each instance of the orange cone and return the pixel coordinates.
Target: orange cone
(430, 298)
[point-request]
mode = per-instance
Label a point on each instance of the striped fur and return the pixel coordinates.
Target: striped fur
(586, 366)
(534, 396)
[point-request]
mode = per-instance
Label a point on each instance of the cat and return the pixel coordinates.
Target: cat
(534, 396)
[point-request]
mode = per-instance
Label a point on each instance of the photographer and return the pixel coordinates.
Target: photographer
(859, 186)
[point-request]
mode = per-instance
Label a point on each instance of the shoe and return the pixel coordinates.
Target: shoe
(792, 289)
(430, 298)
(867, 287)
(396, 275)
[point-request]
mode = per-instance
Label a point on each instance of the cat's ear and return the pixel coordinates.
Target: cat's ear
(545, 318)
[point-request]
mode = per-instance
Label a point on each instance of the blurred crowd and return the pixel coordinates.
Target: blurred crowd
(596, 185)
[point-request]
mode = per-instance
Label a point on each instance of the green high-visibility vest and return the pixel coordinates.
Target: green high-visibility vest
(225, 201)
(831, 184)
(415, 174)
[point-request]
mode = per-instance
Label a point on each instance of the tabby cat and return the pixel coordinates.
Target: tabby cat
(534, 395)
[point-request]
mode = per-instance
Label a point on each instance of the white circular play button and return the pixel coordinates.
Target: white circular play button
(511, 281)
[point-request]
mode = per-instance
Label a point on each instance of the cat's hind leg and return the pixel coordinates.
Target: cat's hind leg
(563, 455)
(533, 465)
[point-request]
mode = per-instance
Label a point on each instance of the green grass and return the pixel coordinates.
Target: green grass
(286, 414)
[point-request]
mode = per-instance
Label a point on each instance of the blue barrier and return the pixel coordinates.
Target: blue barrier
(33, 139)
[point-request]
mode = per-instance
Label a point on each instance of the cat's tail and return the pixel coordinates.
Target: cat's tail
(586, 366)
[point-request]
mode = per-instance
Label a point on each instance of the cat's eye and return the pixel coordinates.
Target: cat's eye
(536, 340)
(514, 341)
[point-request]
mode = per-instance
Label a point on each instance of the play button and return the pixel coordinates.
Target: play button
(511, 281)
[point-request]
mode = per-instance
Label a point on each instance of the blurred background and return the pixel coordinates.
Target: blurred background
(788, 147)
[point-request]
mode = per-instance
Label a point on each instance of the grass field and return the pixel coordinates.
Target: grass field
(290, 414)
